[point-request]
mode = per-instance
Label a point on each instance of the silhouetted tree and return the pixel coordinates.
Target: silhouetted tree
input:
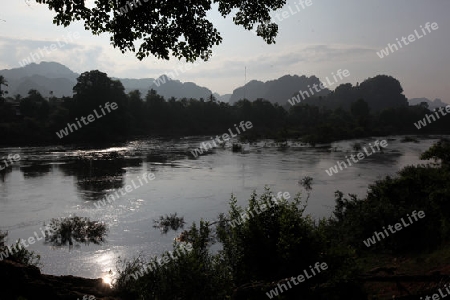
(30, 105)
(92, 91)
(166, 27)
(5, 83)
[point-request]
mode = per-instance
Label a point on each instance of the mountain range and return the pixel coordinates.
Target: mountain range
(56, 79)
(278, 90)
(436, 103)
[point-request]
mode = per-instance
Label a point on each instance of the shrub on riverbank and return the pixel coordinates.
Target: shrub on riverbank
(20, 254)
(420, 188)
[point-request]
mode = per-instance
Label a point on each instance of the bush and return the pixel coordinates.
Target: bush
(79, 229)
(190, 275)
(21, 254)
(422, 187)
(256, 252)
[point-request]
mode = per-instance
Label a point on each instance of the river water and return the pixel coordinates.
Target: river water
(55, 181)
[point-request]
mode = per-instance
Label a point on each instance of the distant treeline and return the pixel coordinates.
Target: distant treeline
(375, 107)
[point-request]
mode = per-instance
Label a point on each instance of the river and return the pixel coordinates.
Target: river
(55, 181)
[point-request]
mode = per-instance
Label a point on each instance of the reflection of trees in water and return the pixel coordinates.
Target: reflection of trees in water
(35, 170)
(94, 177)
(156, 157)
(166, 153)
(4, 173)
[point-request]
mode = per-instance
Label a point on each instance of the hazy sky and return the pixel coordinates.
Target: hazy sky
(315, 40)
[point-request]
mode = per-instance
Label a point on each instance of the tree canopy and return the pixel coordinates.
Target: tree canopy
(165, 27)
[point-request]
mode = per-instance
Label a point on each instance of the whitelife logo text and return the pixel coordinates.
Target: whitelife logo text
(319, 87)
(90, 118)
(398, 226)
(430, 118)
(391, 48)
(225, 137)
(360, 155)
(318, 267)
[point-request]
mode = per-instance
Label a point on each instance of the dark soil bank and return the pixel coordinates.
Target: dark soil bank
(22, 282)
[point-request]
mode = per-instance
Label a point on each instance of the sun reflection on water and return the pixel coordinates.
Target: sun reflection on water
(107, 279)
(106, 260)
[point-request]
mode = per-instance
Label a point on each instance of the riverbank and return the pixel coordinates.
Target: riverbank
(18, 281)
